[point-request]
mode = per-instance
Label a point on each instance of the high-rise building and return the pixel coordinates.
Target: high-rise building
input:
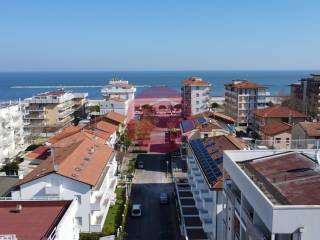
(195, 94)
(48, 112)
(118, 97)
(242, 99)
(305, 96)
(12, 136)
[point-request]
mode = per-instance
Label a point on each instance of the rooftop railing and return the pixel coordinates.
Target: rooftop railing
(285, 144)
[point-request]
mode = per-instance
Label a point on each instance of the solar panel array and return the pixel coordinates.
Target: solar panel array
(208, 165)
(187, 125)
(201, 120)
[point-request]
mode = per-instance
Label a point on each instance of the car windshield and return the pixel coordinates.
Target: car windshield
(136, 211)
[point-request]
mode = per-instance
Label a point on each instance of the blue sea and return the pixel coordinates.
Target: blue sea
(25, 84)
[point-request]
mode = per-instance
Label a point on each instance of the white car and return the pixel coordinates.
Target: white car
(136, 210)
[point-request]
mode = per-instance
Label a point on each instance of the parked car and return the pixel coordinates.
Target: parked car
(136, 210)
(140, 164)
(164, 198)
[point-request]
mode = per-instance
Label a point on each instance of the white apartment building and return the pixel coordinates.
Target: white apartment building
(271, 195)
(12, 136)
(48, 112)
(118, 97)
(205, 176)
(242, 98)
(195, 94)
(38, 219)
(82, 167)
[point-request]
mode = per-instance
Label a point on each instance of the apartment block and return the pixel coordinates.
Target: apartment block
(12, 135)
(271, 194)
(205, 176)
(82, 167)
(47, 113)
(242, 99)
(195, 94)
(305, 96)
(118, 97)
(38, 219)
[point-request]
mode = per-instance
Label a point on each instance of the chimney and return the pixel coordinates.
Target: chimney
(18, 208)
(56, 167)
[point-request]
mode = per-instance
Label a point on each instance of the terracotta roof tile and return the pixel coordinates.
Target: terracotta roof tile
(117, 117)
(68, 131)
(38, 153)
(77, 157)
(278, 112)
(244, 84)
(276, 128)
(311, 128)
(195, 81)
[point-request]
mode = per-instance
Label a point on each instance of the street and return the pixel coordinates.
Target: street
(157, 221)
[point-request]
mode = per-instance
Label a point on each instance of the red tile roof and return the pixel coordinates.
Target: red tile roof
(68, 131)
(35, 221)
(215, 147)
(278, 112)
(244, 84)
(105, 126)
(37, 153)
(276, 128)
(311, 128)
(77, 156)
(117, 117)
(195, 81)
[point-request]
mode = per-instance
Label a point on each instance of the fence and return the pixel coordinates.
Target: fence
(285, 144)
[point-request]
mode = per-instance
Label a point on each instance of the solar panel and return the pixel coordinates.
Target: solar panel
(208, 165)
(201, 120)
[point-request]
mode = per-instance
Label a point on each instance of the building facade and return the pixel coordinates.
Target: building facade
(242, 99)
(47, 113)
(12, 135)
(80, 167)
(306, 135)
(305, 96)
(118, 97)
(205, 171)
(268, 195)
(263, 118)
(195, 94)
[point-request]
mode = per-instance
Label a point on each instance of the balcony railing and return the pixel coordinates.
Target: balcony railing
(40, 116)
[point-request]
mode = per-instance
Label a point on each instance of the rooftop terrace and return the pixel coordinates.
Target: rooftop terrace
(288, 178)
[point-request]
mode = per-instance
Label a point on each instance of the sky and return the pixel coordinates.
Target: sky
(101, 35)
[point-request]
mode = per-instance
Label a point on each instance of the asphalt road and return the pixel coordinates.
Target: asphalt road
(157, 221)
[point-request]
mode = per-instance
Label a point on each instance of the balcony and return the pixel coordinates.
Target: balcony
(40, 109)
(65, 113)
(35, 117)
(64, 106)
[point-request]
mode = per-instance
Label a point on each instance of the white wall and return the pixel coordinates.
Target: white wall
(11, 131)
(67, 227)
(69, 189)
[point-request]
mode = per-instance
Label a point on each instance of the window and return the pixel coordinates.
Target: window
(197, 95)
(197, 88)
(206, 135)
(197, 102)
(79, 221)
(287, 140)
(278, 140)
(197, 109)
(78, 197)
